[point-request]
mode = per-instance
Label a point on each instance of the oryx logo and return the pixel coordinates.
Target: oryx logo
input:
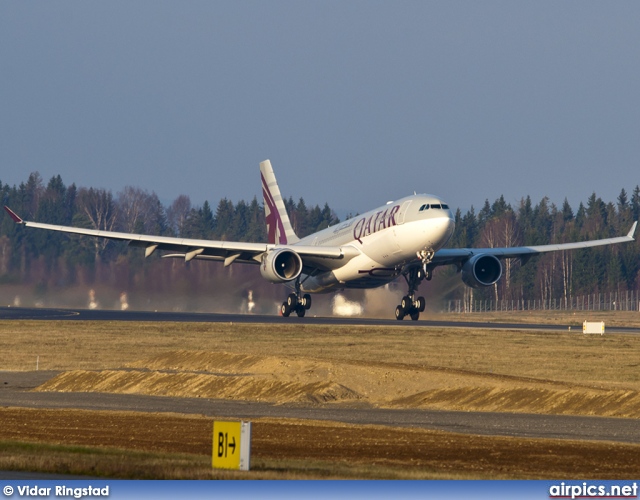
(275, 227)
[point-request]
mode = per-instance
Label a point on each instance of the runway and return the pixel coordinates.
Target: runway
(18, 313)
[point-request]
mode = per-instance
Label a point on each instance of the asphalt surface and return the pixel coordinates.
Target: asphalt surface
(19, 313)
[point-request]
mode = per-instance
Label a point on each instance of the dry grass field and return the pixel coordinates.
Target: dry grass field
(572, 318)
(559, 372)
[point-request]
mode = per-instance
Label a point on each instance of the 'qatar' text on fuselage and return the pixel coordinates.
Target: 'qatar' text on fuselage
(375, 222)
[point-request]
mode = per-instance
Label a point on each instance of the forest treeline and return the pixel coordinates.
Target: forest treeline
(49, 260)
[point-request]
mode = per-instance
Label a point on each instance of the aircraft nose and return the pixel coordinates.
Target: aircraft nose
(451, 226)
(441, 230)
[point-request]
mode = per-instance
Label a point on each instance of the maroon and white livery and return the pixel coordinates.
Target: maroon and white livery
(402, 238)
(279, 229)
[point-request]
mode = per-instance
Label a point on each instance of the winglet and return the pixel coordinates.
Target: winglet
(630, 234)
(15, 217)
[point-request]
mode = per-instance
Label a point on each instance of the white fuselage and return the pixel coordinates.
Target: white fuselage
(387, 238)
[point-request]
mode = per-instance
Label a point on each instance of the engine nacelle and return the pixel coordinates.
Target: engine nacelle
(280, 265)
(481, 271)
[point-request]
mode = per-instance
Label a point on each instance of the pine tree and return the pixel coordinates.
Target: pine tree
(567, 212)
(223, 225)
(256, 228)
(635, 203)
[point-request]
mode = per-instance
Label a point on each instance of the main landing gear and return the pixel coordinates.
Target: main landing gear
(410, 305)
(296, 302)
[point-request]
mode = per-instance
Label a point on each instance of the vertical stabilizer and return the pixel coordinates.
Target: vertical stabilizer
(279, 228)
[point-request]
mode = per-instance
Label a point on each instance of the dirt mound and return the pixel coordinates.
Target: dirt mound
(275, 379)
(577, 401)
(192, 385)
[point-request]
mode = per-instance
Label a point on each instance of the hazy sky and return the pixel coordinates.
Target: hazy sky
(355, 102)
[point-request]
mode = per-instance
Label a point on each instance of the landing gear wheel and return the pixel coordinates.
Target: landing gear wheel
(306, 301)
(292, 300)
(420, 304)
(406, 304)
(285, 310)
(296, 302)
(399, 313)
(415, 314)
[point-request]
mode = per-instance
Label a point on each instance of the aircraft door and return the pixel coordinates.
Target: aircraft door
(402, 212)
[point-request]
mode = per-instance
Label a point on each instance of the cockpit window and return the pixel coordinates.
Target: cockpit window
(435, 206)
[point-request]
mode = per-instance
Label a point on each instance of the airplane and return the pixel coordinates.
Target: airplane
(402, 238)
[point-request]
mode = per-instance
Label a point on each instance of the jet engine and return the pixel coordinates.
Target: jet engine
(280, 265)
(481, 270)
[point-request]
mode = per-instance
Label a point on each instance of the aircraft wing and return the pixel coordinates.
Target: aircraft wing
(458, 255)
(313, 257)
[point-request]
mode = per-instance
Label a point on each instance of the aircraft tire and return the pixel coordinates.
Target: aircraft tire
(415, 314)
(285, 310)
(306, 300)
(421, 304)
(399, 313)
(300, 312)
(292, 300)
(406, 304)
